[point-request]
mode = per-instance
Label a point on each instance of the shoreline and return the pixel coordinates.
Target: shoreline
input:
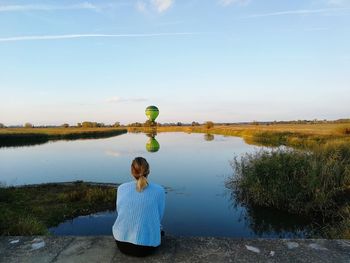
(34, 136)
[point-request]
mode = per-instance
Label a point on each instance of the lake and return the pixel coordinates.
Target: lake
(192, 167)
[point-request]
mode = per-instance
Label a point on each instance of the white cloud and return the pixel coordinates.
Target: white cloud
(159, 6)
(116, 99)
(230, 2)
(38, 7)
(113, 99)
(113, 153)
(141, 7)
(75, 36)
(162, 5)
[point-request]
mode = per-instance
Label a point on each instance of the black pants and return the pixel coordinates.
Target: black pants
(135, 250)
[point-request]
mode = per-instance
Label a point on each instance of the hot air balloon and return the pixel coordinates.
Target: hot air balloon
(152, 145)
(152, 113)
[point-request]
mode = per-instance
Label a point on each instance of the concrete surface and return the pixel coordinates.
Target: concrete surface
(173, 249)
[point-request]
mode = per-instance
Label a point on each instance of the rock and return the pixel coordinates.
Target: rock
(292, 245)
(253, 249)
(317, 246)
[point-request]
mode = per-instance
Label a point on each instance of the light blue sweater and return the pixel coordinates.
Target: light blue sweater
(139, 214)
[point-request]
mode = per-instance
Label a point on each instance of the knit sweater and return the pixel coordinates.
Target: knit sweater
(139, 214)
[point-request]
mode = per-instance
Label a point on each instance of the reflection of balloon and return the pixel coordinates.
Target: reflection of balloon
(208, 137)
(152, 134)
(152, 113)
(152, 145)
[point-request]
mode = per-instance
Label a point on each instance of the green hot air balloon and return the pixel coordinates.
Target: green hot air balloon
(152, 145)
(152, 113)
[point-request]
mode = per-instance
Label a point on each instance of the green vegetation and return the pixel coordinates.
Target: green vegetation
(32, 136)
(89, 124)
(315, 184)
(31, 210)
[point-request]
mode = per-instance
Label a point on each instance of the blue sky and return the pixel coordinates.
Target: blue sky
(221, 60)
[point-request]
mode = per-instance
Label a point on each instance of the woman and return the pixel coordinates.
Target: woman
(140, 207)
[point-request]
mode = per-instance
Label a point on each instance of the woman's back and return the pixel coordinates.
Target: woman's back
(139, 214)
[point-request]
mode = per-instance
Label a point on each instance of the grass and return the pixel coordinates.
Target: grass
(344, 129)
(294, 135)
(315, 184)
(31, 210)
(32, 136)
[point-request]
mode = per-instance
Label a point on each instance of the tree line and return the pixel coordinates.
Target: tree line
(207, 124)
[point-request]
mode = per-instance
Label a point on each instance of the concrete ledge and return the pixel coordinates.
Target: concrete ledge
(174, 249)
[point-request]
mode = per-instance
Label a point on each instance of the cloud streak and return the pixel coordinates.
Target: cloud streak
(36, 7)
(77, 36)
(299, 12)
(116, 99)
(338, 2)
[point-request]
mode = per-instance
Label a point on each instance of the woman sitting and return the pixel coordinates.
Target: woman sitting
(140, 207)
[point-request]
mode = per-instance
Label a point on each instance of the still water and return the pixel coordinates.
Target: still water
(192, 167)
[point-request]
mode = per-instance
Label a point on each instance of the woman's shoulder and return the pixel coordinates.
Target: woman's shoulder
(126, 185)
(156, 187)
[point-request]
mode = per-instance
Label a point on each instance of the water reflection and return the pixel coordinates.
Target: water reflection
(14, 141)
(265, 222)
(32, 139)
(209, 137)
(152, 145)
(269, 222)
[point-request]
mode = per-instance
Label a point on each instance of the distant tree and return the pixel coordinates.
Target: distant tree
(135, 124)
(209, 124)
(86, 124)
(89, 124)
(2, 126)
(149, 123)
(100, 124)
(65, 125)
(116, 124)
(28, 125)
(79, 125)
(194, 123)
(179, 124)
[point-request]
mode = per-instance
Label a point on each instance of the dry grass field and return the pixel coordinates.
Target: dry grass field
(295, 135)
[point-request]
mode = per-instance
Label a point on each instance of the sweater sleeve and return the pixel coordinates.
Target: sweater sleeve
(161, 204)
